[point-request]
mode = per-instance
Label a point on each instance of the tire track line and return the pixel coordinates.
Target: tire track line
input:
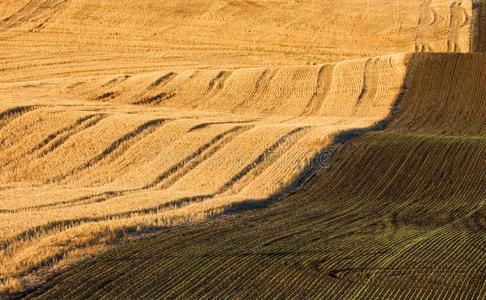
(55, 140)
(211, 148)
(265, 159)
(179, 169)
(323, 86)
(10, 114)
(116, 148)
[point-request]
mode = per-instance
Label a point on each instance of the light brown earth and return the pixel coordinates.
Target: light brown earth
(118, 119)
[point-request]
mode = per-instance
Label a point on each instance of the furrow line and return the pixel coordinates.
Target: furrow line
(265, 159)
(51, 137)
(207, 124)
(10, 114)
(43, 230)
(122, 144)
(200, 151)
(173, 174)
(162, 81)
(63, 137)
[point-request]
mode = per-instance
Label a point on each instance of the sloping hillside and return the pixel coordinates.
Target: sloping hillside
(90, 173)
(398, 214)
(122, 119)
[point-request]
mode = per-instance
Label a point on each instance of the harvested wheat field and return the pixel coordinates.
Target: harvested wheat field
(243, 149)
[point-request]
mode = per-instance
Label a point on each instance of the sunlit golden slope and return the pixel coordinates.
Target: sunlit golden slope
(45, 38)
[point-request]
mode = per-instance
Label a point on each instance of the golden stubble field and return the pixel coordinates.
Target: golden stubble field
(118, 120)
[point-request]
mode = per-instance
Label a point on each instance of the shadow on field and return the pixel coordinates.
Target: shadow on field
(478, 29)
(321, 160)
(306, 178)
